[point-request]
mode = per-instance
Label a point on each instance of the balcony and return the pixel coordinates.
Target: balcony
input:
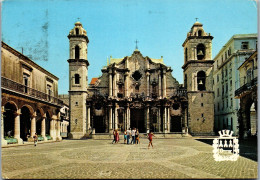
(13, 86)
(245, 88)
(182, 92)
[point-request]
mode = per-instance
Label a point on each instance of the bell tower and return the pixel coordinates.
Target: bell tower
(197, 71)
(78, 80)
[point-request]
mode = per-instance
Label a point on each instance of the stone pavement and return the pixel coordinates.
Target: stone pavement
(181, 158)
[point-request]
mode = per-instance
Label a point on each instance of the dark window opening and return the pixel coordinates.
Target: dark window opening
(186, 54)
(137, 75)
(77, 31)
(185, 81)
(201, 104)
(77, 52)
(201, 81)
(244, 45)
(200, 52)
(199, 33)
(137, 88)
(202, 115)
(175, 106)
(77, 81)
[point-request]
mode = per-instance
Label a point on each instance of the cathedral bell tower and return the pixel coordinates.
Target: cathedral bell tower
(197, 71)
(78, 80)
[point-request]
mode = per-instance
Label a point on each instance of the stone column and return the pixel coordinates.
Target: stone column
(110, 84)
(88, 119)
(114, 85)
(58, 137)
(159, 119)
(128, 117)
(147, 84)
(160, 84)
(164, 83)
(43, 131)
(3, 141)
(116, 118)
(53, 128)
(17, 126)
(33, 124)
(110, 119)
(148, 119)
(164, 120)
(168, 119)
(126, 84)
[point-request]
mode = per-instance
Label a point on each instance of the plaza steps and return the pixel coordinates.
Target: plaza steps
(142, 135)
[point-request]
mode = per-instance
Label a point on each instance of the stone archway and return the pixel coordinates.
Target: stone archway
(25, 122)
(9, 118)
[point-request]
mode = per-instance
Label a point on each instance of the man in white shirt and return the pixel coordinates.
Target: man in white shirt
(128, 132)
(133, 136)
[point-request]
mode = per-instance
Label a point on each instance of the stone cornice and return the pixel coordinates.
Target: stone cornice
(196, 62)
(196, 37)
(78, 60)
(79, 36)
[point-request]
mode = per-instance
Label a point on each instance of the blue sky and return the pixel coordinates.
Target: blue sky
(40, 28)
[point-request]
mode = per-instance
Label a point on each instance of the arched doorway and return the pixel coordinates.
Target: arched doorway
(25, 123)
(9, 116)
(38, 122)
(47, 123)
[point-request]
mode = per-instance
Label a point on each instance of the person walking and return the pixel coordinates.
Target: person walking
(125, 136)
(117, 136)
(35, 139)
(150, 137)
(114, 135)
(137, 140)
(128, 135)
(133, 136)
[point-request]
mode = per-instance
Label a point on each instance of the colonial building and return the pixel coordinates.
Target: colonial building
(30, 101)
(247, 93)
(197, 71)
(139, 91)
(64, 115)
(226, 79)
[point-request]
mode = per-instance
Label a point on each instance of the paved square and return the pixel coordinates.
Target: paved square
(170, 158)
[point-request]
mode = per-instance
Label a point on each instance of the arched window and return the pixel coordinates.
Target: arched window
(77, 31)
(200, 52)
(77, 79)
(199, 33)
(76, 52)
(201, 81)
(186, 54)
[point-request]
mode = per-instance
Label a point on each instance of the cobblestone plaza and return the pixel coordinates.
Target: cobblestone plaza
(183, 158)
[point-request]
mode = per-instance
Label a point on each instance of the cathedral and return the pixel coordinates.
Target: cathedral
(140, 92)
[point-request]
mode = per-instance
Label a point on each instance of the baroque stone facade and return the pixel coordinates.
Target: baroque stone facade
(140, 92)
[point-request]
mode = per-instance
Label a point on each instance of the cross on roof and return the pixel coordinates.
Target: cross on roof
(196, 19)
(136, 44)
(78, 18)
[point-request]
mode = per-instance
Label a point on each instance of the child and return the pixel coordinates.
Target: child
(35, 139)
(150, 137)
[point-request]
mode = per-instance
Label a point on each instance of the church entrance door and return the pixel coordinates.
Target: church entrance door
(176, 124)
(137, 119)
(99, 124)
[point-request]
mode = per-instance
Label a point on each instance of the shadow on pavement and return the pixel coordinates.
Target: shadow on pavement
(247, 147)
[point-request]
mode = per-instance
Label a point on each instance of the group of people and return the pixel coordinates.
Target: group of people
(134, 135)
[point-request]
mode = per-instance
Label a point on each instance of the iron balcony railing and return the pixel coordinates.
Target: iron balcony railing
(27, 91)
(246, 87)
